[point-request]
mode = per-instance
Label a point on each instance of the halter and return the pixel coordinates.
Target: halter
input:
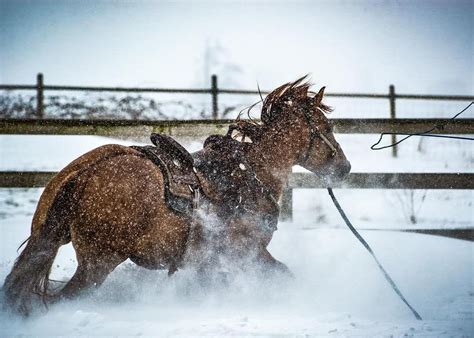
(314, 129)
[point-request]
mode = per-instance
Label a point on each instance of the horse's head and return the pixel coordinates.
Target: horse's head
(315, 147)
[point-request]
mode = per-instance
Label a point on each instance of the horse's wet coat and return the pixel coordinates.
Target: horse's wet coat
(110, 203)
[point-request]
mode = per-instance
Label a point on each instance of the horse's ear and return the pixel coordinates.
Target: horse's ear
(319, 97)
(302, 92)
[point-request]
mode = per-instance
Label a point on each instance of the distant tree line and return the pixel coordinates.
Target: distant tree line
(134, 107)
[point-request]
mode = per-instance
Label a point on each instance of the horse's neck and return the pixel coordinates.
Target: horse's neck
(272, 158)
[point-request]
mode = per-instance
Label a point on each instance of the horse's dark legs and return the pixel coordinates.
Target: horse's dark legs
(272, 265)
(90, 272)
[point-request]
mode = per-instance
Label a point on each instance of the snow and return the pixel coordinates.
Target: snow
(337, 289)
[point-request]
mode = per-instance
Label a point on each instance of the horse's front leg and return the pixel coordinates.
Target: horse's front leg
(247, 243)
(271, 265)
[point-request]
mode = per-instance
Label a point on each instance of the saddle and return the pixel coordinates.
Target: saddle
(218, 173)
(176, 164)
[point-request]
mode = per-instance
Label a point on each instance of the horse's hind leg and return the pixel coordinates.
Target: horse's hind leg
(90, 273)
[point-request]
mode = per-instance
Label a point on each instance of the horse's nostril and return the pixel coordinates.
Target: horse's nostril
(348, 167)
(344, 169)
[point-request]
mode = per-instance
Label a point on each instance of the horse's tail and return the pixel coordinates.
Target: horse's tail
(27, 283)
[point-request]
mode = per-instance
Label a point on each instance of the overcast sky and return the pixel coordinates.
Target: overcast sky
(363, 46)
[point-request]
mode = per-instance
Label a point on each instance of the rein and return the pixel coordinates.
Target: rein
(369, 249)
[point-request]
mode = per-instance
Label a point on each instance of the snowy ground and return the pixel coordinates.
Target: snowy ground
(337, 288)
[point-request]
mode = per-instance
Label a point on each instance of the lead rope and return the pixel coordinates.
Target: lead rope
(369, 249)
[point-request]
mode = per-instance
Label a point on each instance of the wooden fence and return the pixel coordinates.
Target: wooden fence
(40, 87)
(460, 181)
(199, 128)
(214, 91)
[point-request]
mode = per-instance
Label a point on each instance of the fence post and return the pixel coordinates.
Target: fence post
(214, 92)
(39, 96)
(392, 97)
(286, 207)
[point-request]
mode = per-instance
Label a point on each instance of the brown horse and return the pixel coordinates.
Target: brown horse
(110, 202)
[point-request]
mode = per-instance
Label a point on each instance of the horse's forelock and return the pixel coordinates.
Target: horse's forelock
(293, 92)
(296, 92)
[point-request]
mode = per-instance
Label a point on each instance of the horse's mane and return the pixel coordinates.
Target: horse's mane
(291, 93)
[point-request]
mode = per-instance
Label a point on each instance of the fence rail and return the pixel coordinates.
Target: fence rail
(29, 179)
(206, 127)
(228, 91)
(461, 181)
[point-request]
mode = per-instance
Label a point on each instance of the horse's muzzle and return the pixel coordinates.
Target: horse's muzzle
(337, 172)
(342, 170)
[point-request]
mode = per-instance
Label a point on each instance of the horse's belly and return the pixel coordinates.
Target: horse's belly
(152, 263)
(163, 246)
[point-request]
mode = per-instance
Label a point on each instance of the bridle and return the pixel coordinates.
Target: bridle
(315, 133)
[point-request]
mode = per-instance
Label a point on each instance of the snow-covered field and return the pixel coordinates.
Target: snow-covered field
(337, 289)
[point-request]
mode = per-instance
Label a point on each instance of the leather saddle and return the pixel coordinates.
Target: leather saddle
(177, 166)
(219, 172)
